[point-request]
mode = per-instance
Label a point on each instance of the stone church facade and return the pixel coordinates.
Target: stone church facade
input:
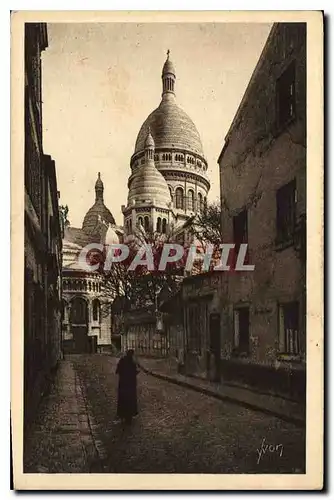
(86, 305)
(168, 185)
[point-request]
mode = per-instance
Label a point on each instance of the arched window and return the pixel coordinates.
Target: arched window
(179, 198)
(90, 286)
(191, 199)
(130, 225)
(146, 223)
(200, 202)
(140, 221)
(164, 226)
(159, 225)
(79, 311)
(96, 310)
(204, 203)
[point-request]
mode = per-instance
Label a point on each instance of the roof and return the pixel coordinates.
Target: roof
(170, 127)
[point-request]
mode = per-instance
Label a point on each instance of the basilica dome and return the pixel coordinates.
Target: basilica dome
(170, 127)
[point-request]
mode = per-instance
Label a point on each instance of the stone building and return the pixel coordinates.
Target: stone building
(87, 314)
(167, 186)
(42, 237)
(263, 195)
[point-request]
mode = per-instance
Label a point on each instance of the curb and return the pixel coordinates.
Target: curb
(94, 450)
(299, 422)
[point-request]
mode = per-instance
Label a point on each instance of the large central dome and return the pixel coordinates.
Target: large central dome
(170, 127)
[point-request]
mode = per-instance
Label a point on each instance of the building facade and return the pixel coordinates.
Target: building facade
(263, 195)
(87, 314)
(42, 231)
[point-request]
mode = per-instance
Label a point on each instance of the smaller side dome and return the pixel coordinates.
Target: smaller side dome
(111, 237)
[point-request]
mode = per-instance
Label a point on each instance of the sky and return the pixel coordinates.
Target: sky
(101, 81)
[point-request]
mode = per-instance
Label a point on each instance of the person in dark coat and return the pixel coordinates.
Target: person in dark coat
(127, 371)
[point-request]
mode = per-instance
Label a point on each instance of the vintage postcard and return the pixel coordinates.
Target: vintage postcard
(167, 250)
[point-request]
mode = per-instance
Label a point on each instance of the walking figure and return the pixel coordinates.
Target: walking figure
(127, 387)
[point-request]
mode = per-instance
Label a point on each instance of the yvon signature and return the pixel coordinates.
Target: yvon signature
(269, 448)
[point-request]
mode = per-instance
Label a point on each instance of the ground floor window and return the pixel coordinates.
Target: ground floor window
(289, 333)
(241, 330)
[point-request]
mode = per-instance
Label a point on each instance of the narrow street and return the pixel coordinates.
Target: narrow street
(181, 431)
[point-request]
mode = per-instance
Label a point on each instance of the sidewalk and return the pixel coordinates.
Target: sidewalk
(277, 406)
(60, 440)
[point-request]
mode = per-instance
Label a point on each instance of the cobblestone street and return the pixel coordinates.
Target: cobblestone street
(181, 431)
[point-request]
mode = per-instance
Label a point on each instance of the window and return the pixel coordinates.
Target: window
(240, 229)
(286, 212)
(289, 328)
(140, 221)
(285, 97)
(241, 330)
(146, 223)
(159, 225)
(200, 202)
(96, 310)
(164, 226)
(179, 198)
(191, 199)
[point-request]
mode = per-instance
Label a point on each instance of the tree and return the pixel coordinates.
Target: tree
(63, 215)
(141, 286)
(206, 224)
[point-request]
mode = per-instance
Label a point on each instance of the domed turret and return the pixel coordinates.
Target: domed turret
(148, 184)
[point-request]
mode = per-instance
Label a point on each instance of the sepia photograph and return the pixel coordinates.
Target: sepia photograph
(169, 322)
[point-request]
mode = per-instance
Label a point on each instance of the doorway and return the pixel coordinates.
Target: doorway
(215, 343)
(79, 325)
